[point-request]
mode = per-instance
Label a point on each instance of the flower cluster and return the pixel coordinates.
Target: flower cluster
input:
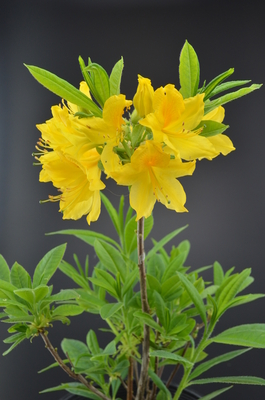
(145, 144)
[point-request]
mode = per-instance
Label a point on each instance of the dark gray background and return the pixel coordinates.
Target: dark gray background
(225, 197)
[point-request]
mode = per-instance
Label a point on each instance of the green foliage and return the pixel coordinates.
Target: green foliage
(189, 71)
(64, 90)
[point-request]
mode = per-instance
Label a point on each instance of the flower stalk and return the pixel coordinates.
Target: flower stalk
(145, 308)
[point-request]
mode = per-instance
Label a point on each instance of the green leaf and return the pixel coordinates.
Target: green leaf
(20, 339)
(215, 82)
(164, 241)
(215, 393)
(19, 277)
(137, 134)
(171, 356)
(159, 384)
(195, 296)
(89, 81)
(211, 128)
(115, 78)
(63, 89)
(71, 272)
(211, 105)
(249, 335)
(111, 258)
(148, 320)
(215, 361)
(87, 236)
(4, 270)
(153, 283)
(229, 289)
(26, 294)
(64, 294)
(174, 266)
(68, 310)
(101, 81)
(112, 213)
(189, 71)
(41, 292)
(244, 380)
(5, 285)
(110, 309)
(92, 342)
(48, 265)
(218, 273)
(227, 86)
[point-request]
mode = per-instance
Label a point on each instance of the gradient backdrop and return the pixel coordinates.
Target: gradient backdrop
(225, 197)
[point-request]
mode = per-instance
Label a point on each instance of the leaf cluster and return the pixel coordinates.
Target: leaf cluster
(184, 310)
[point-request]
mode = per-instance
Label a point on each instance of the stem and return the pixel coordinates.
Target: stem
(145, 307)
(72, 374)
(130, 380)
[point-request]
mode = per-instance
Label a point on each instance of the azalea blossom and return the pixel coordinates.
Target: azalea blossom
(222, 143)
(174, 123)
(79, 183)
(152, 176)
(143, 99)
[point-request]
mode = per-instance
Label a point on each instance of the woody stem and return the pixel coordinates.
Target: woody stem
(145, 308)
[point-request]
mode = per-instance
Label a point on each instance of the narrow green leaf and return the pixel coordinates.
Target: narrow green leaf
(92, 342)
(72, 273)
(164, 241)
(68, 310)
(4, 270)
(218, 274)
(216, 81)
(131, 279)
(189, 71)
(195, 296)
(48, 265)
(243, 380)
(174, 266)
(148, 320)
(211, 128)
(215, 393)
(137, 134)
(115, 78)
(63, 89)
(112, 213)
(17, 342)
(249, 335)
(86, 235)
(228, 291)
(211, 105)
(73, 348)
(159, 384)
(227, 86)
(215, 361)
(101, 81)
(19, 277)
(89, 81)
(171, 356)
(153, 283)
(111, 258)
(110, 309)
(64, 294)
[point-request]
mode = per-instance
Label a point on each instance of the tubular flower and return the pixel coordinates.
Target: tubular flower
(221, 142)
(174, 122)
(152, 176)
(143, 99)
(78, 182)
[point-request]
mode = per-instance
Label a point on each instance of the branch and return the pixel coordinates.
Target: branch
(72, 374)
(145, 307)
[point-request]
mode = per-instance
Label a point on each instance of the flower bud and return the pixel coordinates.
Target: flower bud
(143, 99)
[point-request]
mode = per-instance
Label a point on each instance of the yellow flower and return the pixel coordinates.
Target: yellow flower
(221, 142)
(143, 99)
(152, 176)
(78, 182)
(174, 121)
